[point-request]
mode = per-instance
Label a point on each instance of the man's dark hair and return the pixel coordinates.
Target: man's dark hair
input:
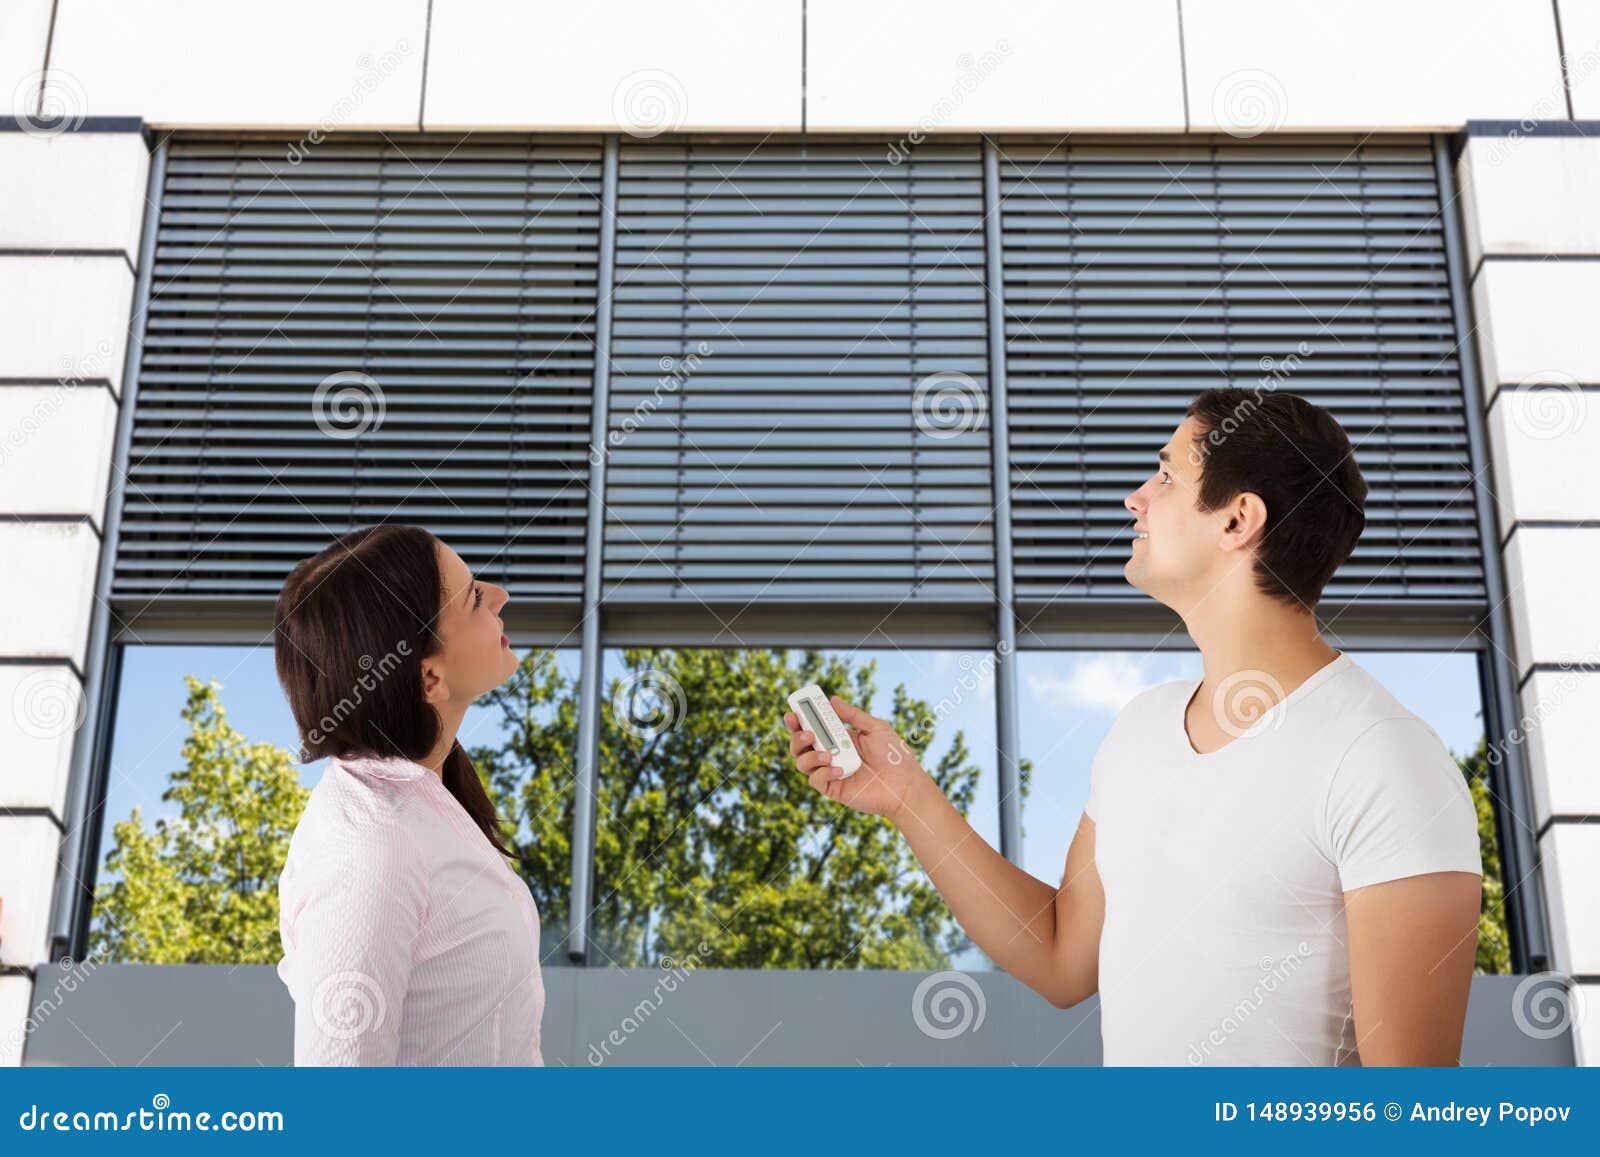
(1297, 458)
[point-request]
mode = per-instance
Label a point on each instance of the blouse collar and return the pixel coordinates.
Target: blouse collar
(393, 767)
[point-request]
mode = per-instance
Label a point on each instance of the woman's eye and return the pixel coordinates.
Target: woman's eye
(477, 597)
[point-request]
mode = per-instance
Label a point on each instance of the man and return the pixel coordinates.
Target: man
(1278, 863)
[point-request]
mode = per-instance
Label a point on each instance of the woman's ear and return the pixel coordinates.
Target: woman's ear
(434, 690)
(1246, 522)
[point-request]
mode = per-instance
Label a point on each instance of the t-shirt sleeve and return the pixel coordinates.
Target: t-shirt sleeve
(1398, 806)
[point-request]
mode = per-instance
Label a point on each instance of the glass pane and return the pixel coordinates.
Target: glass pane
(180, 879)
(711, 847)
(1070, 698)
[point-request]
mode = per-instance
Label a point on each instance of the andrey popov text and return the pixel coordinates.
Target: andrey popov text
(1450, 1112)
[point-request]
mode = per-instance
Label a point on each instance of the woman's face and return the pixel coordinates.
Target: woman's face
(476, 656)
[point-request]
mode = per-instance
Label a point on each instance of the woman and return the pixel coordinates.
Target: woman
(407, 938)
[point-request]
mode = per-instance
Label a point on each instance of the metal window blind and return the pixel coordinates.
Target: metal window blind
(1138, 275)
(824, 284)
(787, 462)
(459, 276)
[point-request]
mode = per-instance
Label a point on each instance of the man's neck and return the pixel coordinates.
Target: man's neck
(1259, 634)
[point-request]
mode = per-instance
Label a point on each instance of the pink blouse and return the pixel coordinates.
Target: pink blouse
(407, 939)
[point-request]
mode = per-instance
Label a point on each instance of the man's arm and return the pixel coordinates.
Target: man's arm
(1047, 937)
(1412, 946)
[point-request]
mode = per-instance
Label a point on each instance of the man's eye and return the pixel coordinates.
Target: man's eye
(1166, 479)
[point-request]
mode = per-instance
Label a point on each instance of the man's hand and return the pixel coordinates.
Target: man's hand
(889, 775)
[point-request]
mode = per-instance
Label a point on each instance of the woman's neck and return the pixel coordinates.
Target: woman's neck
(450, 718)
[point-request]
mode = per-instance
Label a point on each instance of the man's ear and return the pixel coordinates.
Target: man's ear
(434, 689)
(1244, 521)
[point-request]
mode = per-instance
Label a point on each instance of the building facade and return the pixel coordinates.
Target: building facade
(1430, 168)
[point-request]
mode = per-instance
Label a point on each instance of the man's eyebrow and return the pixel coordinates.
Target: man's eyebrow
(1165, 457)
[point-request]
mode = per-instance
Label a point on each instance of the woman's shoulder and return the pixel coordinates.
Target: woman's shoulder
(363, 815)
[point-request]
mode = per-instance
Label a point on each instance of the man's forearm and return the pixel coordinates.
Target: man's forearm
(1005, 911)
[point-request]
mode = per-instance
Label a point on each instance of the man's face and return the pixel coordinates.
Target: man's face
(1176, 558)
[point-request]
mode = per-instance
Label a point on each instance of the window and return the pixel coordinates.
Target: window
(712, 847)
(1069, 699)
(183, 880)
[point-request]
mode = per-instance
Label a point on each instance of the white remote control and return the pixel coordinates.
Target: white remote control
(816, 715)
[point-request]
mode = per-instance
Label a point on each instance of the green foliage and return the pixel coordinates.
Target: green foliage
(1494, 942)
(202, 888)
(710, 846)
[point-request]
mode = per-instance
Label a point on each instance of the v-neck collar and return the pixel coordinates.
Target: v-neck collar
(1270, 718)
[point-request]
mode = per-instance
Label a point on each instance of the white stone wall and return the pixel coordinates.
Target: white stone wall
(1531, 206)
(71, 209)
(885, 65)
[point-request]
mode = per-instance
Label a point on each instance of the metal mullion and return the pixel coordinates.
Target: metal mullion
(1007, 725)
(587, 779)
(1519, 853)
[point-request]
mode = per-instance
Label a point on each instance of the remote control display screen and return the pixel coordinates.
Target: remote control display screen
(817, 727)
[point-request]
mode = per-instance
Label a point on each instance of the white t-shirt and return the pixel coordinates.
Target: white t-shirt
(1225, 873)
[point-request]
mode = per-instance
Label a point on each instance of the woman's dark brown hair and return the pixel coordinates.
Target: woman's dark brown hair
(352, 626)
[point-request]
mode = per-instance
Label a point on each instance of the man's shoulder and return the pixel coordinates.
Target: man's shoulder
(1357, 708)
(1160, 701)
